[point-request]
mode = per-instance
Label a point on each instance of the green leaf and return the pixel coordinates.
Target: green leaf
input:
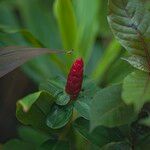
(51, 87)
(84, 100)
(117, 146)
(33, 109)
(108, 109)
(144, 144)
(130, 22)
(55, 145)
(7, 17)
(14, 56)
(146, 121)
(103, 24)
(28, 36)
(62, 99)
(138, 62)
(86, 12)
(117, 72)
(30, 135)
(100, 136)
(16, 144)
(136, 89)
(45, 30)
(82, 107)
(109, 56)
(57, 81)
(55, 87)
(67, 22)
(59, 116)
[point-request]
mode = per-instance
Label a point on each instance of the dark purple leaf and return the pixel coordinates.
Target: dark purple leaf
(14, 56)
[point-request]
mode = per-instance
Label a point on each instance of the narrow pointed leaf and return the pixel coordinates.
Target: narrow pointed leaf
(14, 56)
(84, 100)
(67, 22)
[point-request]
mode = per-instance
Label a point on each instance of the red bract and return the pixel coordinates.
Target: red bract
(74, 80)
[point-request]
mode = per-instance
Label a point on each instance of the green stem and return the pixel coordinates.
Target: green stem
(111, 53)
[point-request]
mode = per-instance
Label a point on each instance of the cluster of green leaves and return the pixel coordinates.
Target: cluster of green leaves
(130, 23)
(50, 109)
(108, 118)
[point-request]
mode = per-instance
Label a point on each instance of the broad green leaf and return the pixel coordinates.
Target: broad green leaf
(117, 146)
(55, 87)
(108, 109)
(30, 135)
(55, 145)
(59, 116)
(130, 23)
(28, 139)
(136, 89)
(16, 144)
(14, 56)
(67, 22)
(117, 72)
(138, 62)
(100, 136)
(33, 109)
(82, 107)
(84, 100)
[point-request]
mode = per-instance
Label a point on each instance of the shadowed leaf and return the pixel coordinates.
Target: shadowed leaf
(136, 89)
(33, 109)
(100, 136)
(14, 56)
(109, 110)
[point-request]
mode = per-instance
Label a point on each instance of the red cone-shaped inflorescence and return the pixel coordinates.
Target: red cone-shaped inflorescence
(75, 77)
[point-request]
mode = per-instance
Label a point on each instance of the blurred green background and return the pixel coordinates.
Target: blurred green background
(80, 25)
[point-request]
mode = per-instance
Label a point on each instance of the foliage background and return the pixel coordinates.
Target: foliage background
(78, 24)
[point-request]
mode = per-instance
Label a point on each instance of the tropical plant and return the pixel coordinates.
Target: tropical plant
(104, 103)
